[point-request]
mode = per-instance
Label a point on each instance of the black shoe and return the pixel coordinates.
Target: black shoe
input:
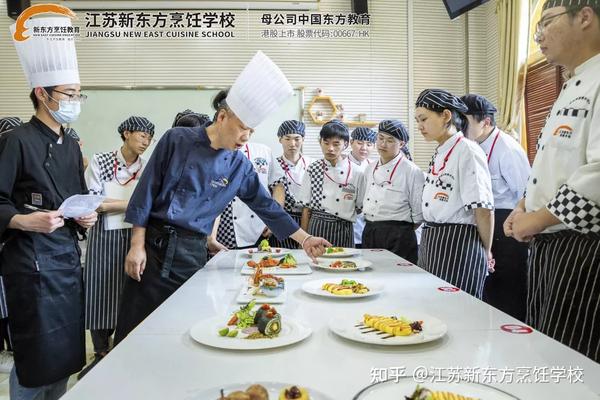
(88, 368)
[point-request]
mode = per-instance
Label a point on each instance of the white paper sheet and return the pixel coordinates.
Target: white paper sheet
(80, 205)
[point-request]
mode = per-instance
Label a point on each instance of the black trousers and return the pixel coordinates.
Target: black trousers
(506, 288)
(396, 236)
(173, 255)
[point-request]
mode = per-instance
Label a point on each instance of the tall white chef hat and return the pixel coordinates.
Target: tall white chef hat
(47, 60)
(259, 90)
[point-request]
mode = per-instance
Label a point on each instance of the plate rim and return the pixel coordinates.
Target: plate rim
(329, 325)
(333, 296)
(322, 396)
(354, 252)
(363, 390)
(305, 332)
(367, 264)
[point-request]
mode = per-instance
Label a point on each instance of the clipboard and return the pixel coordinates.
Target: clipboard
(114, 190)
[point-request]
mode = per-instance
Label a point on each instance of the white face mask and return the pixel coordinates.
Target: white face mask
(67, 111)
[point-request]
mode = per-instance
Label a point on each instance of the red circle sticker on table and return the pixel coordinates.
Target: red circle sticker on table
(518, 329)
(448, 289)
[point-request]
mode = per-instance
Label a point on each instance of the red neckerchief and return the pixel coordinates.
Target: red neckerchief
(133, 176)
(446, 158)
(389, 181)
(347, 176)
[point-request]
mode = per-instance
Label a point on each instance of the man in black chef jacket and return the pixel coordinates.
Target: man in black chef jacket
(41, 167)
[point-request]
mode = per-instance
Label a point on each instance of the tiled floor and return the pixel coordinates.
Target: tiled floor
(4, 393)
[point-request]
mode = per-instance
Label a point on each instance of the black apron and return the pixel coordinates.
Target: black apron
(173, 255)
(44, 291)
(454, 253)
(563, 289)
(506, 288)
(339, 232)
(396, 236)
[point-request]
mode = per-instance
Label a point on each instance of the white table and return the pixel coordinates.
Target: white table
(159, 359)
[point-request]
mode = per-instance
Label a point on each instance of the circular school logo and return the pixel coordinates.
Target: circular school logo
(261, 165)
(450, 289)
(517, 329)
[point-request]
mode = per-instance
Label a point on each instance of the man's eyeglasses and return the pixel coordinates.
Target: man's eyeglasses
(543, 24)
(145, 136)
(73, 98)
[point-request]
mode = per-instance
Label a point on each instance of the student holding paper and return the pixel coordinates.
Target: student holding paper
(113, 174)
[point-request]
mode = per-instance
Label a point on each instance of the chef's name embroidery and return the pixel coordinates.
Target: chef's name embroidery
(445, 182)
(578, 108)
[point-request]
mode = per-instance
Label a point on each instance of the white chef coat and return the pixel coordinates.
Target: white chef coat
(458, 182)
(104, 166)
(509, 168)
(394, 191)
(247, 225)
(337, 190)
(285, 170)
(565, 176)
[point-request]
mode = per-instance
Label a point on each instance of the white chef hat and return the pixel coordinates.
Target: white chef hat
(46, 60)
(259, 90)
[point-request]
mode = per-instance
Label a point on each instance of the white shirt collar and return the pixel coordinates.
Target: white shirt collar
(449, 143)
(121, 159)
(291, 163)
(393, 160)
(590, 63)
(340, 164)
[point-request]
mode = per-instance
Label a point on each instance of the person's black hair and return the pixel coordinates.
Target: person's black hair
(574, 9)
(220, 102)
(192, 120)
(335, 129)
(34, 99)
(480, 117)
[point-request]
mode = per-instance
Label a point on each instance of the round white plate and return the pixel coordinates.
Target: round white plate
(314, 287)
(348, 252)
(275, 252)
(207, 333)
(325, 264)
(433, 329)
(272, 387)
(405, 386)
